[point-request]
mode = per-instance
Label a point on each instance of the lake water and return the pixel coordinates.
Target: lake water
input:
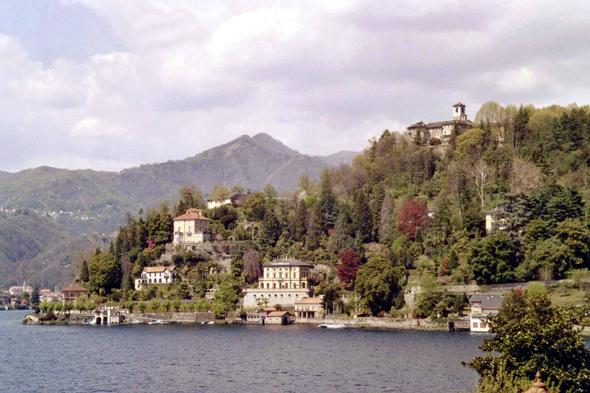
(234, 358)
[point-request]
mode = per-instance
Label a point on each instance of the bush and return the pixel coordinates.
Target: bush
(585, 321)
(50, 315)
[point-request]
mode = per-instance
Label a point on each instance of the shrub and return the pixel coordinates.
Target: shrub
(50, 315)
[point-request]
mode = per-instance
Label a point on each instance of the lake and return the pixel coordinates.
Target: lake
(230, 358)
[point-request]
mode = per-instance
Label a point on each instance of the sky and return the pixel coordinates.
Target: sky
(109, 85)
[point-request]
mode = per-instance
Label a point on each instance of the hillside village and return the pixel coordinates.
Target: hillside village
(418, 228)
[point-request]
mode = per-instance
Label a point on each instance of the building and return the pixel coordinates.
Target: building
(155, 275)
(73, 292)
(18, 289)
(493, 222)
(231, 200)
(191, 228)
(284, 282)
(309, 308)
(442, 130)
(482, 306)
(278, 318)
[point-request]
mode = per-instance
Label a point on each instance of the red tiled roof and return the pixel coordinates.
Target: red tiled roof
(313, 300)
(277, 313)
(157, 269)
(192, 214)
(74, 288)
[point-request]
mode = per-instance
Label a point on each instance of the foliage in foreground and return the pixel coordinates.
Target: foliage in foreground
(531, 336)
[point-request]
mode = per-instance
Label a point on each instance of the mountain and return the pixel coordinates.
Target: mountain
(50, 213)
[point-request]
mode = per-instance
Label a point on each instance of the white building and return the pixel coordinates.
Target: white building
(191, 228)
(482, 306)
(155, 275)
(212, 204)
(18, 289)
(284, 282)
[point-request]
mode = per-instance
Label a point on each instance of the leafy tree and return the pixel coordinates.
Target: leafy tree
(378, 282)
(105, 273)
(68, 306)
(84, 274)
(219, 192)
(535, 337)
(183, 291)
(307, 184)
(226, 298)
(43, 306)
(25, 296)
(58, 307)
(254, 207)
(349, 266)
(493, 259)
(130, 305)
(412, 215)
(166, 304)
(91, 306)
(270, 193)
(80, 306)
(176, 304)
(141, 306)
(271, 229)
(154, 305)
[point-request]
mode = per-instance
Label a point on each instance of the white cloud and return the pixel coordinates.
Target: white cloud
(201, 73)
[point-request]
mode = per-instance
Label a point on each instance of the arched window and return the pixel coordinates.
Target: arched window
(287, 285)
(274, 285)
(159, 280)
(302, 285)
(267, 286)
(150, 280)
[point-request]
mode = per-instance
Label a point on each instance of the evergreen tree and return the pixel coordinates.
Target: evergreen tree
(362, 219)
(342, 234)
(301, 221)
(314, 229)
(84, 272)
(35, 297)
(271, 229)
(327, 201)
(376, 207)
(112, 248)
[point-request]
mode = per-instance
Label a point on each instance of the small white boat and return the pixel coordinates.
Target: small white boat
(136, 322)
(332, 326)
(207, 323)
(158, 322)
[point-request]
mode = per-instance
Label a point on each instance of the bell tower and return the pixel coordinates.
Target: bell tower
(459, 112)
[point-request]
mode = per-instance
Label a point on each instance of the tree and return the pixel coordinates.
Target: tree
(90, 306)
(219, 192)
(254, 207)
(271, 229)
(493, 259)
(43, 306)
(130, 305)
(226, 298)
(154, 305)
(84, 274)
(237, 189)
(105, 273)
(68, 306)
(378, 282)
(412, 215)
(58, 307)
(80, 306)
(141, 306)
(307, 184)
(327, 201)
(183, 291)
(252, 265)
(166, 304)
(301, 221)
(35, 296)
(176, 304)
(25, 296)
(481, 173)
(533, 337)
(342, 235)
(349, 266)
(362, 220)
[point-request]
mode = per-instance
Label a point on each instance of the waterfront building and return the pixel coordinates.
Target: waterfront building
(442, 130)
(309, 307)
(283, 282)
(191, 228)
(482, 306)
(278, 318)
(156, 275)
(73, 292)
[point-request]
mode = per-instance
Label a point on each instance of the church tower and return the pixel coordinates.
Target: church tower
(459, 112)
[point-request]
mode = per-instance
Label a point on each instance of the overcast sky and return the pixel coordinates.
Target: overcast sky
(108, 85)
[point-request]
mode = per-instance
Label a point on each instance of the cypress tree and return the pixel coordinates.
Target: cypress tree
(301, 221)
(362, 220)
(84, 275)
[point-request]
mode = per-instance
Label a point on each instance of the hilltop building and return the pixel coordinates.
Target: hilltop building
(18, 289)
(233, 199)
(482, 306)
(442, 130)
(284, 282)
(191, 228)
(155, 275)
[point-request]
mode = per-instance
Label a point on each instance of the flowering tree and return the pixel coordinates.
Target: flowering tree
(412, 215)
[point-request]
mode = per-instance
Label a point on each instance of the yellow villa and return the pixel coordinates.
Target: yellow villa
(191, 228)
(283, 281)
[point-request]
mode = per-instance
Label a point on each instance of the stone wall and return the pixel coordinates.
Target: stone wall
(186, 317)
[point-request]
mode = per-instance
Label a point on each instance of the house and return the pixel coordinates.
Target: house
(309, 307)
(278, 318)
(482, 306)
(442, 130)
(155, 275)
(231, 200)
(4, 297)
(73, 292)
(191, 228)
(283, 281)
(493, 222)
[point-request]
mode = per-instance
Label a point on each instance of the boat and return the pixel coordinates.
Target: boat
(158, 322)
(332, 326)
(208, 323)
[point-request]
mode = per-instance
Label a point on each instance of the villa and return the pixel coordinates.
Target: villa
(442, 130)
(191, 228)
(284, 282)
(155, 275)
(73, 292)
(482, 306)
(309, 307)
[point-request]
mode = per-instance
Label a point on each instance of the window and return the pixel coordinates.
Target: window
(274, 275)
(274, 285)
(302, 285)
(475, 325)
(267, 286)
